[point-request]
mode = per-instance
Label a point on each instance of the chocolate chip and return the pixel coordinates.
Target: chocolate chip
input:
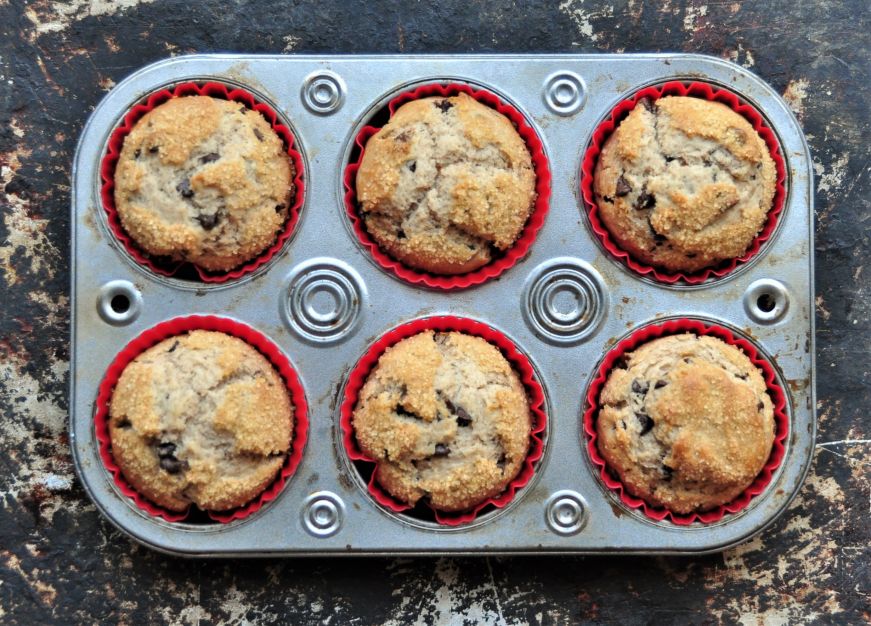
(645, 200)
(137, 153)
(441, 450)
(760, 405)
(646, 422)
(501, 461)
(687, 359)
(400, 234)
(659, 384)
(279, 208)
(208, 221)
(463, 418)
(258, 134)
(184, 188)
(444, 105)
(153, 149)
(123, 423)
(171, 464)
(742, 376)
(659, 239)
(669, 159)
(620, 363)
(640, 386)
(211, 156)
(165, 449)
(608, 199)
(412, 166)
(623, 187)
(666, 472)
(173, 347)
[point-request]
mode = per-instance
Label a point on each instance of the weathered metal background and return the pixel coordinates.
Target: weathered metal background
(59, 561)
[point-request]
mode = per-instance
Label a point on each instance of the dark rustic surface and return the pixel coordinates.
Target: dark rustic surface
(61, 562)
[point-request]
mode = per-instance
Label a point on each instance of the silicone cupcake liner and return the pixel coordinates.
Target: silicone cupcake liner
(180, 326)
(696, 90)
(673, 327)
(527, 235)
(164, 267)
(520, 363)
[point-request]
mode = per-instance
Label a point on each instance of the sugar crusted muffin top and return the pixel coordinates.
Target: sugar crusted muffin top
(686, 422)
(446, 418)
(445, 184)
(203, 180)
(200, 418)
(684, 183)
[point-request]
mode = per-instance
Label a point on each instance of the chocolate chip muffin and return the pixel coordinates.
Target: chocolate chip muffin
(446, 418)
(684, 183)
(446, 184)
(203, 180)
(685, 422)
(201, 418)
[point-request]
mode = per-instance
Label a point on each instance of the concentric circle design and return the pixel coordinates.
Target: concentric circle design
(323, 92)
(322, 300)
(566, 512)
(564, 93)
(119, 302)
(564, 300)
(766, 301)
(323, 513)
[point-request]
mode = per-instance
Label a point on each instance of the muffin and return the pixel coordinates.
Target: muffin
(200, 419)
(684, 183)
(446, 418)
(445, 185)
(203, 180)
(686, 422)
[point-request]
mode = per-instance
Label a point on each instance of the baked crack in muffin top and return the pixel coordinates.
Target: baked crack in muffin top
(200, 418)
(684, 183)
(686, 422)
(203, 180)
(446, 418)
(446, 184)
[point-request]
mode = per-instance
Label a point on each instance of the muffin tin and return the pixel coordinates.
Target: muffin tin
(324, 301)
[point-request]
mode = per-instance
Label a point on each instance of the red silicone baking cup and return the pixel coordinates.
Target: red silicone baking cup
(695, 90)
(180, 326)
(521, 365)
(674, 327)
(527, 235)
(113, 153)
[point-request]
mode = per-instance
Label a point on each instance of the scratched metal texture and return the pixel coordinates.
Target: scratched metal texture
(61, 562)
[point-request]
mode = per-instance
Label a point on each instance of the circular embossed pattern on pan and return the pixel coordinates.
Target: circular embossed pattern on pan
(451, 190)
(201, 414)
(683, 182)
(444, 418)
(202, 182)
(686, 421)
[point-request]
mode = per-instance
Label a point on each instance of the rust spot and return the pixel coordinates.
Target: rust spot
(618, 512)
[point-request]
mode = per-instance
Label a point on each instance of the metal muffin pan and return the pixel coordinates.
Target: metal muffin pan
(323, 301)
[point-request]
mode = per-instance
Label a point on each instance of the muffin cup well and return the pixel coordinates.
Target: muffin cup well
(530, 229)
(170, 268)
(674, 327)
(695, 90)
(519, 362)
(180, 326)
